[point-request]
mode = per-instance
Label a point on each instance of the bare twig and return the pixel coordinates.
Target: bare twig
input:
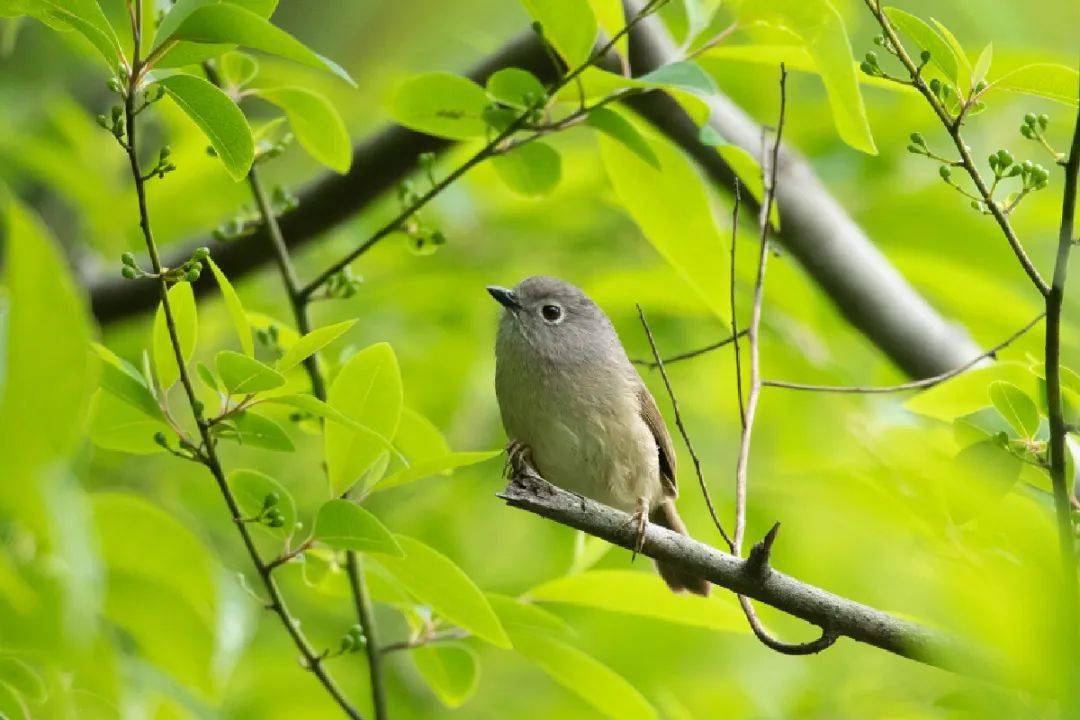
(914, 384)
(734, 307)
(769, 170)
(276, 604)
(653, 364)
(426, 639)
(683, 431)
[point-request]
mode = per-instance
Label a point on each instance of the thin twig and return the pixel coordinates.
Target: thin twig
(276, 603)
(683, 431)
(424, 640)
(653, 364)
(490, 149)
(913, 384)
(769, 171)
(734, 308)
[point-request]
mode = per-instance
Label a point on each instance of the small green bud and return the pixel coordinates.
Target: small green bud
(437, 237)
(1029, 119)
(945, 172)
(924, 56)
(191, 276)
(425, 159)
(976, 205)
(1044, 120)
(867, 68)
(1015, 170)
(202, 253)
(117, 113)
(1005, 158)
(347, 643)
(166, 151)
(128, 259)
(980, 86)
(871, 57)
(914, 149)
(271, 499)
(129, 272)
(114, 84)
(160, 439)
(211, 151)
(103, 121)
(935, 86)
(993, 161)
(917, 138)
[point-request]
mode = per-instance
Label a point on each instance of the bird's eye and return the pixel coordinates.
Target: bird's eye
(551, 313)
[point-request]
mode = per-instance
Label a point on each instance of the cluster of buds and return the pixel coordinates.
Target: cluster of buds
(114, 122)
(188, 272)
(164, 165)
(353, 640)
(1034, 125)
(423, 239)
(1033, 175)
(271, 514)
(270, 149)
(343, 284)
(185, 450)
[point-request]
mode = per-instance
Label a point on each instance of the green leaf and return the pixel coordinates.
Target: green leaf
(367, 390)
(312, 405)
(47, 374)
(941, 53)
(982, 65)
(435, 580)
(1015, 406)
(227, 23)
(598, 84)
(671, 205)
(244, 375)
(611, 19)
(441, 104)
(963, 72)
(185, 317)
(207, 376)
(532, 169)
(122, 380)
(569, 25)
(983, 473)
(118, 425)
(344, 525)
(251, 488)
(238, 68)
(235, 308)
(317, 125)
(418, 438)
(248, 428)
(796, 58)
(586, 677)
(966, 393)
(439, 465)
(642, 594)
(619, 128)
(84, 17)
(1056, 82)
(516, 88)
(682, 75)
(822, 31)
(311, 343)
(218, 117)
(518, 616)
(450, 669)
(746, 167)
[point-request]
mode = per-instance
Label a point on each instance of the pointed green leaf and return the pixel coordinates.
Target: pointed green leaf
(84, 17)
(515, 88)
(238, 68)
(207, 376)
(441, 104)
(450, 669)
(185, 318)
(611, 18)
(243, 375)
(966, 393)
(673, 209)
(235, 307)
(619, 128)
(982, 65)
(311, 343)
(941, 53)
(435, 580)
(439, 465)
(344, 525)
(251, 489)
(218, 117)
(644, 594)
(1016, 406)
(418, 438)
(317, 125)
(230, 24)
(682, 75)
(517, 616)
(1056, 82)
(531, 170)
(120, 426)
(248, 428)
(122, 380)
(963, 76)
(592, 681)
(569, 25)
(367, 390)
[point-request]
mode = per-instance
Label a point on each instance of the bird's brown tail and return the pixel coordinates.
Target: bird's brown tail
(667, 516)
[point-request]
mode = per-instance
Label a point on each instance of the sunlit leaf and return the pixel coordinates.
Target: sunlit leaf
(118, 425)
(235, 308)
(317, 125)
(681, 75)
(311, 343)
(238, 68)
(368, 390)
(941, 53)
(569, 25)
(185, 319)
(252, 488)
(517, 616)
(982, 65)
(532, 169)
(243, 375)
(796, 58)
(418, 438)
(441, 104)
(122, 380)
(515, 88)
(439, 465)
(619, 128)
(344, 525)
(84, 17)
(963, 65)
(1056, 82)
(218, 117)
(611, 19)
(249, 428)
(450, 669)
(1016, 406)
(437, 581)
(639, 593)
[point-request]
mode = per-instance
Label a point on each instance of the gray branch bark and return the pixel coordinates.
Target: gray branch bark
(755, 578)
(865, 287)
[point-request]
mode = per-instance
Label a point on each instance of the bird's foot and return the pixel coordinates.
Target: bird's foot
(519, 462)
(639, 521)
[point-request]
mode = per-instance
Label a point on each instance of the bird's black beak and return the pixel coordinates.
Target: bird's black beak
(504, 297)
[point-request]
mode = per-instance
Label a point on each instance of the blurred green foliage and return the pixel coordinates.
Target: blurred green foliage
(121, 577)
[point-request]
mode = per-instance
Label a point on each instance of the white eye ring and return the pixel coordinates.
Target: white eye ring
(552, 313)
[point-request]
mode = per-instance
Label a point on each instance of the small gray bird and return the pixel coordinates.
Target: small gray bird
(573, 404)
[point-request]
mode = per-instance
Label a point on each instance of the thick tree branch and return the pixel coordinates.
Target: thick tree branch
(754, 579)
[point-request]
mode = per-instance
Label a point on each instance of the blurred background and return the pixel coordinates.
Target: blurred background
(861, 484)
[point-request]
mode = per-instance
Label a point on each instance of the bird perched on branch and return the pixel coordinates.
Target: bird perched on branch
(577, 411)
